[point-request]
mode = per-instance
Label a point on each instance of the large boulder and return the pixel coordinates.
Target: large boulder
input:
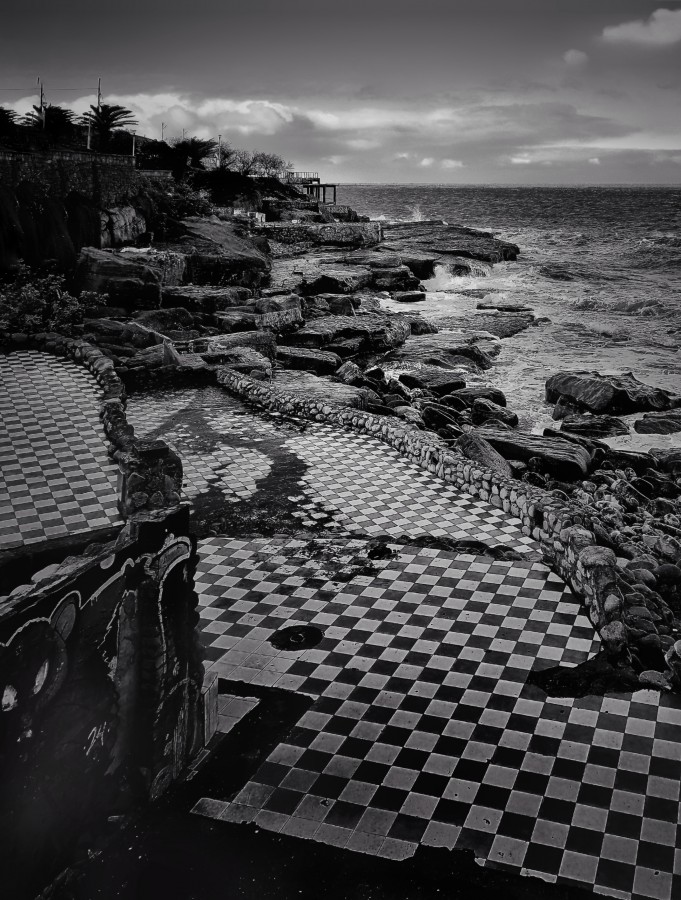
(219, 255)
(614, 394)
(397, 279)
(121, 225)
(485, 410)
(238, 318)
(464, 398)
(476, 448)
(318, 361)
(558, 457)
(595, 426)
(204, 299)
(442, 242)
(659, 423)
(244, 360)
(376, 332)
(166, 320)
(278, 313)
(431, 378)
(343, 280)
(129, 279)
(443, 349)
(262, 341)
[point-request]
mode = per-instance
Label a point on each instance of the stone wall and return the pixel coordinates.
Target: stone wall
(561, 528)
(107, 180)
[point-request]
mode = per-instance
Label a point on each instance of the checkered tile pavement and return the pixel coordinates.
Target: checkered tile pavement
(352, 482)
(55, 475)
(423, 729)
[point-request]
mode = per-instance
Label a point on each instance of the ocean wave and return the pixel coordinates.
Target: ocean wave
(634, 306)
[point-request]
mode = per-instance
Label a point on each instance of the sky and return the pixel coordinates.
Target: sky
(432, 91)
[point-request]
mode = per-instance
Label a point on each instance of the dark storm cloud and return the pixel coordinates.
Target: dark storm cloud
(386, 89)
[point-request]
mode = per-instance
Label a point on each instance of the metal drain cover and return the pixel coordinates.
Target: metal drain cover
(297, 637)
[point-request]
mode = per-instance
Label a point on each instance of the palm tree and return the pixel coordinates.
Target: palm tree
(8, 121)
(56, 122)
(105, 119)
(194, 150)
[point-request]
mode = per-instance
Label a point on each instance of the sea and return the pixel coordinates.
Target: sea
(599, 266)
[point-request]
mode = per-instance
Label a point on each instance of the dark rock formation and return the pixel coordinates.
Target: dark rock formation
(463, 398)
(615, 394)
(485, 410)
(439, 241)
(341, 280)
(278, 313)
(432, 379)
(442, 349)
(557, 457)
(594, 426)
(204, 299)
(409, 296)
(659, 423)
(476, 448)
(377, 332)
(318, 361)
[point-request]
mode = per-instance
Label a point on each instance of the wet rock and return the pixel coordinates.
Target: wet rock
(485, 410)
(659, 423)
(614, 394)
(345, 280)
(557, 456)
(432, 379)
(165, 320)
(262, 341)
(278, 314)
(442, 349)
(627, 459)
(464, 398)
(614, 638)
(435, 238)
(377, 332)
(317, 361)
(340, 304)
(651, 678)
(594, 426)
(476, 448)
(349, 373)
(436, 417)
(315, 308)
(204, 299)
(409, 296)
(246, 360)
(399, 279)
(238, 318)
(409, 414)
(668, 460)
(418, 324)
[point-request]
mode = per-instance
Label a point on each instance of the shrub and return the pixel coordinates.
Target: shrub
(31, 302)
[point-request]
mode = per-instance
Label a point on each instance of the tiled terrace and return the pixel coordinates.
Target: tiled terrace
(56, 478)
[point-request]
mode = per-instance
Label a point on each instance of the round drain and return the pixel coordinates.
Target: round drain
(297, 637)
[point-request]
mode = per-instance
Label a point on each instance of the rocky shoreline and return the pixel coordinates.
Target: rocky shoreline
(286, 308)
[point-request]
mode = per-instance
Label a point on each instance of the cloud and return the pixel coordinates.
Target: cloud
(594, 161)
(661, 29)
(575, 58)
(522, 160)
(451, 164)
(427, 162)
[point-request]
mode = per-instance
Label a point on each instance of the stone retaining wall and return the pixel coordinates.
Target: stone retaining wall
(569, 546)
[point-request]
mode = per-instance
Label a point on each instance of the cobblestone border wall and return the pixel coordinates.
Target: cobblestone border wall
(570, 547)
(150, 473)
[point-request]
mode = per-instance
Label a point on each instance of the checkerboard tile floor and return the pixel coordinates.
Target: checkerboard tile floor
(55, 475)
(352, 482)
(423, 729)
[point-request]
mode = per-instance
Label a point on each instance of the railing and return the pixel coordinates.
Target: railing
(302, 177)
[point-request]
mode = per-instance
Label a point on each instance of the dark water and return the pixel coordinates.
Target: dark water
(602, 263)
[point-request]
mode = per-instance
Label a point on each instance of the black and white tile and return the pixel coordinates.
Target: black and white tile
(423, 730)
(56, 477)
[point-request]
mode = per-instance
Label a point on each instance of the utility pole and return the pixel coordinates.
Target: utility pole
(42, 101)
(184, 131)
(133, 145)
(99, 93)
(219, 151)
(163, 128)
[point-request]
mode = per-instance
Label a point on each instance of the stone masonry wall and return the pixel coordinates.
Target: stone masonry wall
(107, 180)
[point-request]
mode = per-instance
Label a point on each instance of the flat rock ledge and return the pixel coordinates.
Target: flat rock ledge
(560, 528)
